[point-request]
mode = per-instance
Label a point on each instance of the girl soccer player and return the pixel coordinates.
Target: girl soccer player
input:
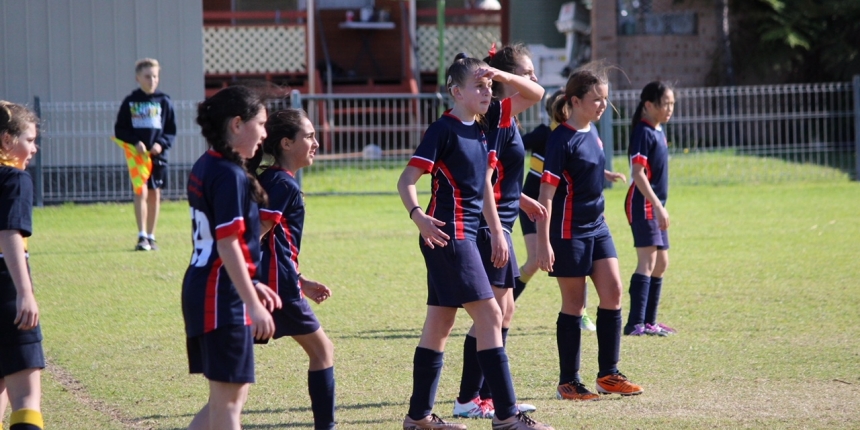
(645, 206)
(224, 308)
(576, 242)
(475, 398)
(291, 141)
(535, 141)
(454, 151)
(22, 358)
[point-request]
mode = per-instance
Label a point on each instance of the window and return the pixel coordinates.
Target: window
(637, 17)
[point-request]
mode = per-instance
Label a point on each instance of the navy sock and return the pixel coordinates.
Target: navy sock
(653, 300)
(494, 363)
(486, 392)
(426, 369)
(568, 337)
(608, 340)
(639, 289)
(321, 390)
(470, 381)
(519, 287)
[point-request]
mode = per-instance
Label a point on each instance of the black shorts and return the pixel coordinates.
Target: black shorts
(15, 358)
(158, 177)
(574, 258)
(295, 318)
(455, 274)
(501, 277)
(225, 354)
(9, 332)
(647, 233)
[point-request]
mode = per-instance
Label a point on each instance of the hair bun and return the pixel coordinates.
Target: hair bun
(461, 56)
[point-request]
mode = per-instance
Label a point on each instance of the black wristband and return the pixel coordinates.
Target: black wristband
(413, 210)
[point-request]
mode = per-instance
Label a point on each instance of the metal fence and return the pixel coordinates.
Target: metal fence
(717, 135)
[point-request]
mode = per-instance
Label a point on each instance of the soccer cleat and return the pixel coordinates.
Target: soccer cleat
(142, 244)
(521, 407)
(574, 390)
(665, 328)
(653, 330)
(638, 330)
(586, 323)
(520, 421)
(430, 422)
(152, 245)
(617, 383)
(475, 408)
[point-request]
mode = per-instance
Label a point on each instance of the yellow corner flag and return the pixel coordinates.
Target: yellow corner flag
(139, 165)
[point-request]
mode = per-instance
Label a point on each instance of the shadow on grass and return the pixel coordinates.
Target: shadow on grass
(382, 334)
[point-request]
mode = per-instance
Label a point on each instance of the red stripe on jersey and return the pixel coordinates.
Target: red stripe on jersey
(497, 187)
(270, 215)
(550, 178)
(628, 204)
(421, 163)
(507, 107)
(649, 210)
(492, 159)
(567, 217)
(459, 229)
(246, 254)
(431, 208)
(236, 226)
(642, 160)
(210, 298)
(272, 276)
(294, 251)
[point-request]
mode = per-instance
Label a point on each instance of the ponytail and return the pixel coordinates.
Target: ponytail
(653, 92)
(214, 115)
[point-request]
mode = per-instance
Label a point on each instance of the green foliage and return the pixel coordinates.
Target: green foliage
(796, 40)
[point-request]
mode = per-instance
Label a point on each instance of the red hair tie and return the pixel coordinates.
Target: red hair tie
(492, 50)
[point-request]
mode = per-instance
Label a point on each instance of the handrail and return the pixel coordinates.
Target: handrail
(276, 16)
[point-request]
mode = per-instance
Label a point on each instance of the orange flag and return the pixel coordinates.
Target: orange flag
(139, 165)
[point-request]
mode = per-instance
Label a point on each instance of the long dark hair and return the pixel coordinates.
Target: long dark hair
(214, 115)
(653, 92)
(580, 82)
(506, 60)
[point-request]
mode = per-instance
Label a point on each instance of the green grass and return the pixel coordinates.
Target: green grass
(762, 287)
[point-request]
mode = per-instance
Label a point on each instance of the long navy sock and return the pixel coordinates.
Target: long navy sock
(494, 363)
(568, 337)
(321, 389)
(653, 300)
(608, 340)
(519, 287)
(426, 369)
(639, 289)
(486, 392)
(470, 381)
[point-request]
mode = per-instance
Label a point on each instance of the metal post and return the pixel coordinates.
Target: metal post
(606, 135)
(296, 103)
(857, 126)
(38, 182)
(440, 31)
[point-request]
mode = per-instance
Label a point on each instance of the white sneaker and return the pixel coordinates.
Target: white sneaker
(586, 323)
(521, 407)
(474, 408)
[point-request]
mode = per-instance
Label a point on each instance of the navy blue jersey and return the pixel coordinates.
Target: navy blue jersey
(279, 265)
(507, 143)
(148, 118)
(221, 206)
(575, 164)
(455, 154)
(648, 148)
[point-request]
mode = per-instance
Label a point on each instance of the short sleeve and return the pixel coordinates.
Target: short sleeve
(431, 145)
(281, 197)
(641, 148)
(230, 187)
(16, 203)
(554, 159)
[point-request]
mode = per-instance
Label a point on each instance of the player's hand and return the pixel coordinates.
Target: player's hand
(27, 312)
(614, 176)
(429, 228)
(268, 297)
(315, 290)
(141, 148)
(534, 210)
(499, 245)
(156, 149)
(545, 257)
(262, 324)
(662, 217)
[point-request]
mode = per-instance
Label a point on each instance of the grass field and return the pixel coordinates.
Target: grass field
(762, 287)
